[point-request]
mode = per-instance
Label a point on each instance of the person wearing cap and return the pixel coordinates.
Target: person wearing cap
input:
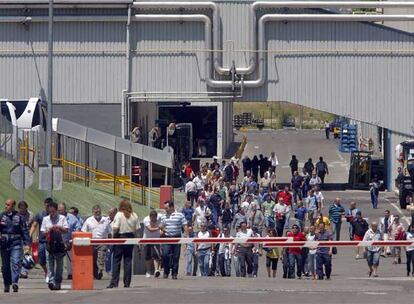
(244, 250)
(373, 252)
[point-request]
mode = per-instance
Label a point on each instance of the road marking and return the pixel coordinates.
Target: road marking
(375, 293)
(339, 155)
(256, 147)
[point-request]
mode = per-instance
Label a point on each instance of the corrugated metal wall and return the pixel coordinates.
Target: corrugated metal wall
(308, 63)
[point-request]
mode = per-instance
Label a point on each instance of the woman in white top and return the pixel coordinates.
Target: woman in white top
(203, 250)
(124, 225)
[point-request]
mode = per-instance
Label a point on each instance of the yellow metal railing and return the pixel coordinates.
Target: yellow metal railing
(240, 150)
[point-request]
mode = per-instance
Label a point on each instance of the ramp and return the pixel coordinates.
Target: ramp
(112, 142)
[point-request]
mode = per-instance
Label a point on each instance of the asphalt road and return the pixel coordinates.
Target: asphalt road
(302, 143)
(349, 284)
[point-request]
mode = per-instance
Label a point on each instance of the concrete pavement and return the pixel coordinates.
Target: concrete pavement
(349, 284)
(302, 143)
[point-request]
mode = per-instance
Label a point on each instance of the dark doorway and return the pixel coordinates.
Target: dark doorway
(204, 121)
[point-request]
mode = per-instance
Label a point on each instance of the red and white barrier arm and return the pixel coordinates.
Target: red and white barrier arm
(140, 241)
(267, 242)
(316, 244)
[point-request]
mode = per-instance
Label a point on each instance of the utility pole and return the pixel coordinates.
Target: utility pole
(49, 100)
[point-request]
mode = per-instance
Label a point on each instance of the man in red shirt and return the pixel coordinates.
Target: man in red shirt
(287, 199)
(295, 253)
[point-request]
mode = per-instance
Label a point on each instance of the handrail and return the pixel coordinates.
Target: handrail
(116, 179)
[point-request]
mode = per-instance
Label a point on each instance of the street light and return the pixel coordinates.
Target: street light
(49, 100)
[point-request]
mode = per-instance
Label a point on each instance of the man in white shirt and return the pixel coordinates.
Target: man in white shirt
(152, 251)
(199, 182)
(55, 224)
(201, 213)
(315, 180)
(274, 162)
(100, 226)
(191, 191)
(280, 210)
(244, 251)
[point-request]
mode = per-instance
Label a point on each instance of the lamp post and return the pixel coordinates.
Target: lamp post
(49, 100)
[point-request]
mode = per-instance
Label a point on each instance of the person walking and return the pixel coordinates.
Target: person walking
(336, 211)
(274, 162)
(374, 191)
(308, 167)
(295, 253)
(294, 164)
(203, 251)
(280, 210)
(152, 251)
(311, 259)
(409, 250)
(23, 210)
(124, 225)
(100, 226)
(384, 227)
(297, 183)
(267, 210)
(322, 170)
(13, 234)
(41, 238)
(244, 251)
(224, 253)
(359, 227)
(313, 207)
(190, 254)
(396, 233)
(272, 255)
(323, 254)
(327, 128)
(350, 214)
(54, 226)
(373, 252)
(172, 225)
(74, 225)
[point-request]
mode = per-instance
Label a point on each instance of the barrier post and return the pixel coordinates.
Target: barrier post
(82, 264)
(165, 195)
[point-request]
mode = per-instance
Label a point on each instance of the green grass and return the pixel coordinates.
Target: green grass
(73, 194)
(273, 113)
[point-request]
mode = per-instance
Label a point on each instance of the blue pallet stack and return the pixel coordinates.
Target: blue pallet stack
(349, 138)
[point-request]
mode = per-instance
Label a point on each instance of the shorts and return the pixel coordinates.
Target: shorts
(271, 262)
(152, 252)
(373, 258)
(42, 253)
(358, 238)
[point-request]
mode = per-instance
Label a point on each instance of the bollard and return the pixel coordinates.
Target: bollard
(165, 195)
(82, 264)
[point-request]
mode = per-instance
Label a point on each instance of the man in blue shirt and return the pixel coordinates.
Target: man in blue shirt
(335, 216)
(323, 254)
(13, 232)
(188, 212)
(74, 225)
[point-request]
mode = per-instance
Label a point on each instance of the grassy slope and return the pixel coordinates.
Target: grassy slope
(73, 194)
(312, 118)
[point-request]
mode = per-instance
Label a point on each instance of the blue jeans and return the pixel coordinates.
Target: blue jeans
(323, 259)
(225, 265)
(255, 263)
(237, 266)
(374, 199)
(55, 267)
(11, 264)
(108, 259)
(373, 258)
(171, 258)
(310, 263)
(280, 225)
(203, 261)
(191, 263)
(270, 221)
(295, 257)
(42, 253)
(336, 230)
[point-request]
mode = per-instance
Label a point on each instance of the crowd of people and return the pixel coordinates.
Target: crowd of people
(219, 204)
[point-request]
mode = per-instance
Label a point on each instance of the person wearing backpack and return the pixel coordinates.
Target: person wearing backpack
(54, 226)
